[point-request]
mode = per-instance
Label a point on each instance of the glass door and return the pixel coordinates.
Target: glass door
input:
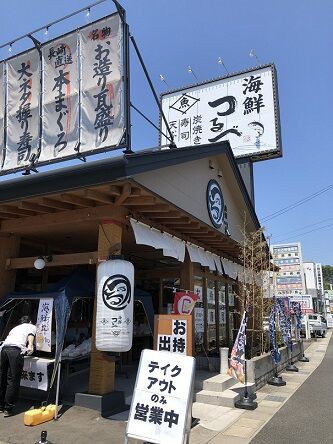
(211, 317)
(222, 314)
(199, 316)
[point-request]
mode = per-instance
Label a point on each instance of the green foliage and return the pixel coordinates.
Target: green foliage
(327, 276)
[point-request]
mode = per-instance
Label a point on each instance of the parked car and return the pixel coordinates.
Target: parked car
(317, 325)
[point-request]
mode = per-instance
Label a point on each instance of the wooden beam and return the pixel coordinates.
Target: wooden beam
(167, 221)
(125, 193)
(153, 208)
(7, 216)
(169, 215)
(58, 260)
(136, 192)
(141, 200)
(53, 203)
(35, 207)
(115, 190)
(205, 236)
(77, 200)
(14, 210)
(189, 227)
(31, 224)
(9, 247)
(97, 195)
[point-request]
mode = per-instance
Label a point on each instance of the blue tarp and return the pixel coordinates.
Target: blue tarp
(79, 284)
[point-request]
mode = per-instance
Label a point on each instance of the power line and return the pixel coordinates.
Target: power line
(296, 204)
(302, 228)
(308, 232)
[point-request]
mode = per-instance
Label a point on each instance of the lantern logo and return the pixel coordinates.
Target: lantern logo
(117, 292)
(215, 203)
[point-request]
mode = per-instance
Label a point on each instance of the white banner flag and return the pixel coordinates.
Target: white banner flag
(115, 294)
(44, 325)
(23, 92)
(102, 114)
(2, 112)
(60, 98)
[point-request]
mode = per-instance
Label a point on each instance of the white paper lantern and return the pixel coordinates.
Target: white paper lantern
(115, 295)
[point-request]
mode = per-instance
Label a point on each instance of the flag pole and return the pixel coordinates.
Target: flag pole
(246, 402)
(290, 367)
(303, 358)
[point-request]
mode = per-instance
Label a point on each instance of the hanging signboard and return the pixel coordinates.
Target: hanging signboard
(114, 316)
(60, 136)
(161, 404)
(173, 333)
(102, 118)
(66, 100)
(2, 113)
(44, 325)
(305, 301)
(241, 108)
(23, 92)
(34, 374)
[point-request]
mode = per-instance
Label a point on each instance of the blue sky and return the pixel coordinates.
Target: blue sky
(295, 35)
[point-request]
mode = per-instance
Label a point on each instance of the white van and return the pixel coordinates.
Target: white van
(318, 325)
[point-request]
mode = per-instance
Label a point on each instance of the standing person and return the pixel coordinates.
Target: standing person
(18, 342)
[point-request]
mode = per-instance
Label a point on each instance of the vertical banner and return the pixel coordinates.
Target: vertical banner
(2, 113)
(114, 317)
(275, 352)
(102, 114)
(44, 325)
(297, 310)
(237, 357)
(60, 98)
(23, 93)
(284, 323)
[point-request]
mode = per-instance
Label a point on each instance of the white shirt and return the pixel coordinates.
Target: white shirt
(18, 336)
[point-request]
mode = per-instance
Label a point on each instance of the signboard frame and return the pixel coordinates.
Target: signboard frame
(187, 424)
(263, 155)
(125, 98)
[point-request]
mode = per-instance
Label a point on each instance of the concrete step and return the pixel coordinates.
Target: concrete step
(239, 387)
(225, 399)
(219, 383)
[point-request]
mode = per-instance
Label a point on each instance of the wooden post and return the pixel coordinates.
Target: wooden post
(102, 366)
(187, 283)
(9, 248)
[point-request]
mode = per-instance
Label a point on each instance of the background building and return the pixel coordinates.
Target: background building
(314, 285)
(290, 280)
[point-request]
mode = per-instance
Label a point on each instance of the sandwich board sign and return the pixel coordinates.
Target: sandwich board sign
(162, 399)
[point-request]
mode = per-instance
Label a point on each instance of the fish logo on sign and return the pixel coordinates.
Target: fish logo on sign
(184, 103)
(215, 203)
(117, 292)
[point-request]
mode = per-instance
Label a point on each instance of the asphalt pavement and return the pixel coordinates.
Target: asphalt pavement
(307, 417)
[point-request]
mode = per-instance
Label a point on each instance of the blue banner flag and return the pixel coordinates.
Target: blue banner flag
(284, 320)
(275, 352)
(296, 308)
